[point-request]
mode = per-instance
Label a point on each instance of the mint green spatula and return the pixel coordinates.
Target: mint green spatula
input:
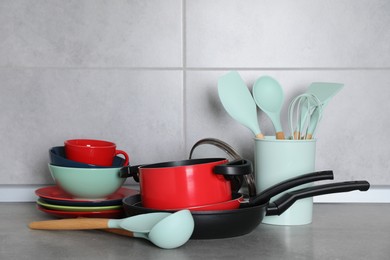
(324, 91)
(238, 101)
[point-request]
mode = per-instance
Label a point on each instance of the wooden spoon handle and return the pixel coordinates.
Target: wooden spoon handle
(260, 136)
(119, 231)
(297, 135)
(70, 224)
(280, 135)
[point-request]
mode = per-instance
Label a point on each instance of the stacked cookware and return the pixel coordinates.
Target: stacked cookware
(222, 196)
(85, 187)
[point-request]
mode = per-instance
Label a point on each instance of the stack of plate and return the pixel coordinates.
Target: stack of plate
(54, 201)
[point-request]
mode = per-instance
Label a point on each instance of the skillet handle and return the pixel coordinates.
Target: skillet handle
(234, 168)
(266, 195)
(285, 201)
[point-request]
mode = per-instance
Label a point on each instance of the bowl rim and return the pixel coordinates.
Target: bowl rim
(85, 169)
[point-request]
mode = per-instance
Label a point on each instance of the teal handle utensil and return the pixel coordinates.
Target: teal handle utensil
(171, 232)
(269, 97)
(305, 108)
(324, 91)
(165, 230)
(314, 119)
(238, 101)
(140, 223)
(311, 107)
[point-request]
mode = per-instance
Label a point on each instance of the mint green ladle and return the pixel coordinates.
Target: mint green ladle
(165, 230)
(238, 101)
(269, 97)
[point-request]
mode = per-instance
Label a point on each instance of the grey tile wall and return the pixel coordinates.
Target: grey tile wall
(90, 33)
(143, 74)
(288, 34)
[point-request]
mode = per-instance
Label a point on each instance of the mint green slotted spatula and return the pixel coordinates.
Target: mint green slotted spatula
(238, 101)
(324, 91)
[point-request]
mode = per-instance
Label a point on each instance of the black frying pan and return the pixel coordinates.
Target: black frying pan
(231, 223)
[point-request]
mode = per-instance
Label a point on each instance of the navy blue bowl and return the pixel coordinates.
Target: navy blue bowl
(58, 158)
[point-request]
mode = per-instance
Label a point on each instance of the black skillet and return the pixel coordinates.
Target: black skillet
(231, 223)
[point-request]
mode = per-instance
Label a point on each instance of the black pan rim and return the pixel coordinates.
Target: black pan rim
(211, 212)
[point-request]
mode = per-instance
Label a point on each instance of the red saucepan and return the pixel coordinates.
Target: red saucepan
(231, 223)
(187, 183)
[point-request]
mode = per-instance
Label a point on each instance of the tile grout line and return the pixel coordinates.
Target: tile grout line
(284, 68)
(184, 72)
(185, 68)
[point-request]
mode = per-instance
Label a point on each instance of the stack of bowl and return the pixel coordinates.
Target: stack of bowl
(88, 183)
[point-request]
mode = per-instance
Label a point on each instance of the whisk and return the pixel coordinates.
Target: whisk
(308, 110)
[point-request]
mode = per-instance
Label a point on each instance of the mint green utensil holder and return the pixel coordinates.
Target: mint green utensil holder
(279, 160)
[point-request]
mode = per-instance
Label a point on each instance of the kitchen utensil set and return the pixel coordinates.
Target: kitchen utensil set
(268, 95)
(172, 228)
(173, 205)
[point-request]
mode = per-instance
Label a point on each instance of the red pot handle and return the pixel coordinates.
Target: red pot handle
(234, 168)
(130, 171)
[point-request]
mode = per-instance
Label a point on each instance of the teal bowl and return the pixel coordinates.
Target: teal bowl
(87, 183)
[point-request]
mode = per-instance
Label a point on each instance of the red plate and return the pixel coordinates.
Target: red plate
(119, 213)
(57, 194)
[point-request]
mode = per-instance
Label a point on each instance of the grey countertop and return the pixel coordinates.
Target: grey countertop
(338, 231)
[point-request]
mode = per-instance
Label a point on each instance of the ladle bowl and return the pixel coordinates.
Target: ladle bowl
(173, 231)
(269, 97)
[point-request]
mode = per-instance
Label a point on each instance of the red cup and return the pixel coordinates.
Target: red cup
(96, 152)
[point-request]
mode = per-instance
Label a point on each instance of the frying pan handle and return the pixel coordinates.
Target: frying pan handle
(285, 201)
(130, 171)
(234, 168)
(272, 191)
